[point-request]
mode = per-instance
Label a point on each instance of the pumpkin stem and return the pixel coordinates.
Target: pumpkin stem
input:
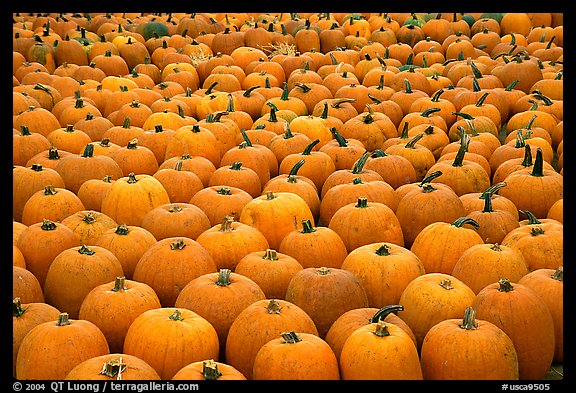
(210, 370)
(428, 179)
(132, 178)
(308, 150)
(17, 309)
(359, 165)
(48, 225)
(496, 247)
(505, 285)
(464, 141)
(224, 191)
(290, 337)
(446, 284)
(342, 142)
(270, 195)
(362, 202)
(381, 329)
(537, 169)
(307, 227)
(223, 277)
(270, 255)
(292, 174)
(88, 151)
(120, 284)
(63, 319)
(558, 274)
(113, 368)
(176, 315)
(465, 220)
(410, 144)
(383, 250)
(323, 271)
(236, 166)
(469, 321)
(426, 113)
(492, 190)
(85, 250)
(226, 225)
(122, 229)
(178, 244)
(532, 219)
(273, 307)
(527, 162)
(381, 314)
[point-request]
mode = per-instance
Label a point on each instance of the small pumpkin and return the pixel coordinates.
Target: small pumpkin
(483, 264)
(337, 291)
(296, 356)
(466, 336)
(78, 339)
(170, 338)
(219, 297)
(259, 323)
(114, 305)
(380, 350)
(508, 305)
(432, 298)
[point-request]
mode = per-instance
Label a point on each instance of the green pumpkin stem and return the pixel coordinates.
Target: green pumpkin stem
(120, 284)
(469, 321)
(210, 370)
(381, 329)
(308, 150)
(359, 165)
(465, 220)
(410, 144)
(307, 227)
(342, 142)
(538, 168)
(270, 255)
(223, 277)
(381, 314)
(17, 309)
(290, 337)
(504, 285)
(291, 178)
(558, 274)
(362, 202)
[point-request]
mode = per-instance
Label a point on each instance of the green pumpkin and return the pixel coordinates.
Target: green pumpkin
(492, 15)
(152, 29)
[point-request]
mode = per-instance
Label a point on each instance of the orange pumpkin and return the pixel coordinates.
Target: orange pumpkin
(170, 338)
(78, 339)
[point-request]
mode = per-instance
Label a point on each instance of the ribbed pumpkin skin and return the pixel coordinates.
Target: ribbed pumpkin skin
(259, 323)
(135, 369)
(308, 359)
(131, 197)
(197, 372)
(275, 215)
(351, 320)
(431, 298)
(169, 338)
(50, 351)
(219, 297)
(54, 237)
(451, 352)
(170, 264)
(385, 269)
(367, 355)
(509, 306)
(549, 284)
(114, 306)
(75, 272)
(24, 318)
(325, 294)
